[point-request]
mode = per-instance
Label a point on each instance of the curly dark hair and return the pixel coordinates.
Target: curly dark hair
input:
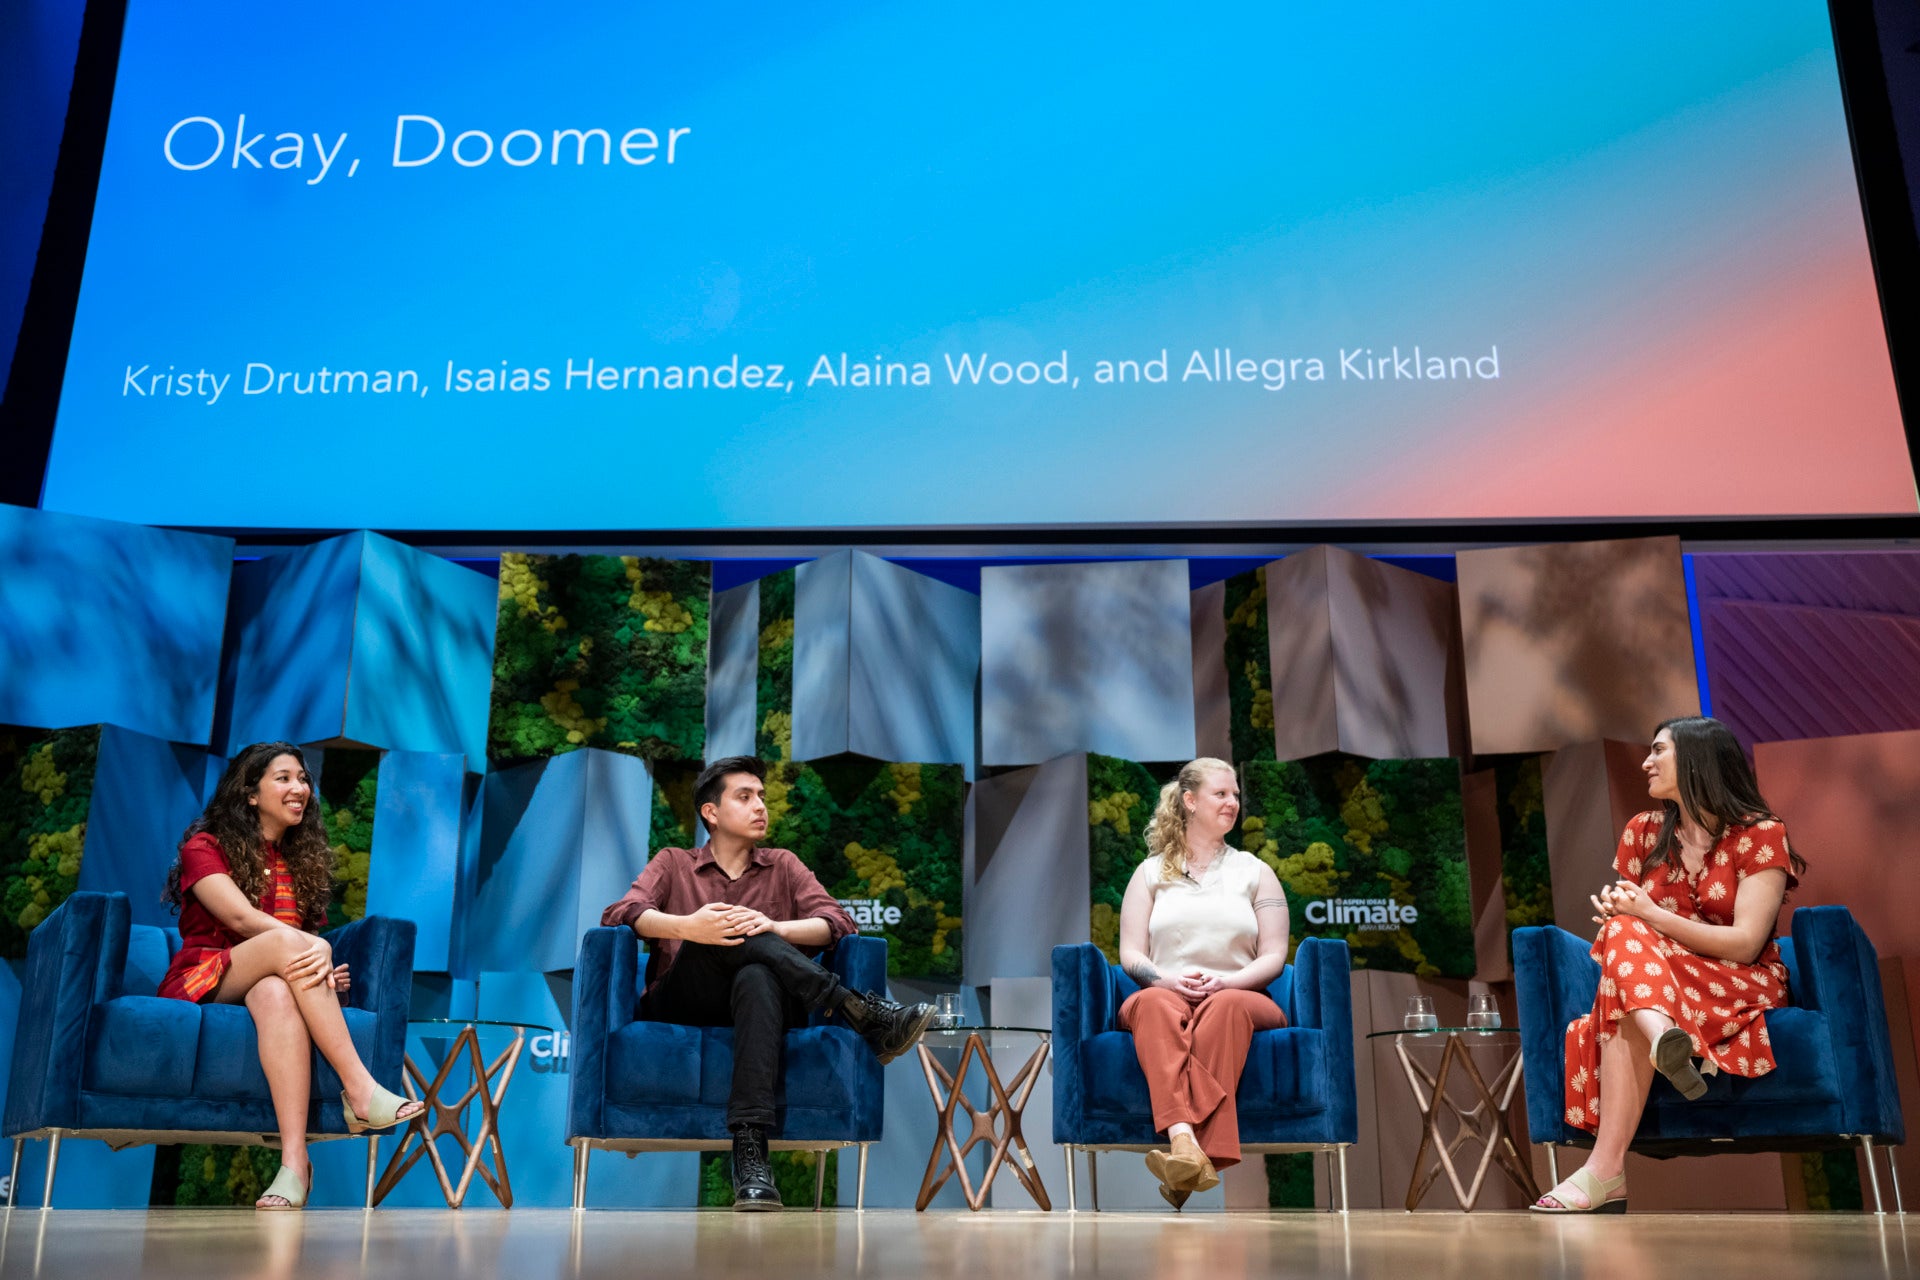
(234, 824)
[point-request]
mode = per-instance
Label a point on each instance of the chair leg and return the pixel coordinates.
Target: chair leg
(373, 1163)
(860, 1192)
(819, 1179)
(13, 1183)
(1093, 1177)
(1873, 1175)
(1553, 1163)
(1344, 1206)
(582, 1152)
(1072, 1207)
(1893, 1171)
(53, 1166)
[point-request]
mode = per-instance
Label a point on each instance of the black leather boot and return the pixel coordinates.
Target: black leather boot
(753, 1189)
(889, 1029)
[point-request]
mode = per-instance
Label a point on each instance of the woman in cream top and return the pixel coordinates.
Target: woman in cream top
(1203, 930)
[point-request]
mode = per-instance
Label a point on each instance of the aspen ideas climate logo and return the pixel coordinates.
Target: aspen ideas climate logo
(1363, 915)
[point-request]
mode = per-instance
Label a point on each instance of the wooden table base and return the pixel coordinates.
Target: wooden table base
(448, 1119)
(1485, 1121)
(999, 1123)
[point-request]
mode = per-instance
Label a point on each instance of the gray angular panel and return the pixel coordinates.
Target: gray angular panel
(1027, 870)
(1086, 657)
(733, 668)
(822, 608)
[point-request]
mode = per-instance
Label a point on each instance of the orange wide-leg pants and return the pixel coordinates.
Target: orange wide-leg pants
(1193, 1055)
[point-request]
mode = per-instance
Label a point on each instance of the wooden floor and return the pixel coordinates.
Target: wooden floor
(531, 1244)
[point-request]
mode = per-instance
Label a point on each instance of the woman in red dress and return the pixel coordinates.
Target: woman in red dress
(1688, 962)
(255, 872)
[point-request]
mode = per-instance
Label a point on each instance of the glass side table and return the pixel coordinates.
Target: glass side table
(998, 1124)
(1486, 1121)
(444, 1117)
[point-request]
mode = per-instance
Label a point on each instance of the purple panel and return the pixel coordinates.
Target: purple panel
(1780, 671)
(1873, 581)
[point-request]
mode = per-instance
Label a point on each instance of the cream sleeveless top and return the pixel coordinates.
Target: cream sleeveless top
(1206, 924)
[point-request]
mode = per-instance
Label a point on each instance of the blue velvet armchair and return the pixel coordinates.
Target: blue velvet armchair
(98, 1053)
(638, 1085)
(1834, 1087)
(1297, 1093)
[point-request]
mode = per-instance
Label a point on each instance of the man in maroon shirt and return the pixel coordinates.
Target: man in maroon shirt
(732, 929)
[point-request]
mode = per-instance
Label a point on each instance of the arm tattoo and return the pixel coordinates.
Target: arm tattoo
(1263, 903)
(1141, 972)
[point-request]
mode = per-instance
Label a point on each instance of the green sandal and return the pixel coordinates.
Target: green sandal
(288, 1187)
(384, 1113)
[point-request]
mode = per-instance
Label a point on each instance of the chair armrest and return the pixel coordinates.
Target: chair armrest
(606, 987)
(1323, 998)
(860, 963)
(1084, 1005)
(1322, 988)
(378, 951)
(1840, 977)
(1555, 981)
(74, 960)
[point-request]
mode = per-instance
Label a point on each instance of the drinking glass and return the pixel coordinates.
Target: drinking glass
(1482, 1011)
(946, 1009)
(1420, 1015)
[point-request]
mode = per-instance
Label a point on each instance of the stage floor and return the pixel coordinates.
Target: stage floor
(206, 1244)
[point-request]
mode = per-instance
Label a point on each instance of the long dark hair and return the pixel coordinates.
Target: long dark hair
(235, 826)
(1716, 785)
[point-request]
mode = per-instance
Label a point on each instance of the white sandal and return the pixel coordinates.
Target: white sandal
(1598, 1195)
(382, 1113)
(287, 1185)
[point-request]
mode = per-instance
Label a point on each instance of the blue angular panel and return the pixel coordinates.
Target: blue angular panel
(359, 638)
(289, 644)
(418, 825)
(146, 790)
(422, 652)
(106, 622)
(914, 657)
(1086, 657)
(560, 839)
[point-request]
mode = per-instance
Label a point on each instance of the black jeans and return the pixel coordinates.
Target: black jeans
(759, 988)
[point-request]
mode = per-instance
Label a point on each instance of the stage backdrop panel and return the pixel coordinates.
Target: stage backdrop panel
(1086, 657)
(1589, 791)
(600, 651)
(560, 840)
(1811, 644)
(1364, 658)
(103, 622)
(1575, 642)
(1852, 809)
(885, 839)
(59, 832)
(396, 821)
(1370, 851)
(358, 640)
(845, 653)
(1027, 875)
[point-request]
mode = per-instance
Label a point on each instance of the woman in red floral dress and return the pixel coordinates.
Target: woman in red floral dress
(255, 872)
(1688, 961)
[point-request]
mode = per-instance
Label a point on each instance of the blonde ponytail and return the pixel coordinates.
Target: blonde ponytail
(1167, 829)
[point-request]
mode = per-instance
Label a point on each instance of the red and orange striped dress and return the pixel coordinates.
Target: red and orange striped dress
(206, 945)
